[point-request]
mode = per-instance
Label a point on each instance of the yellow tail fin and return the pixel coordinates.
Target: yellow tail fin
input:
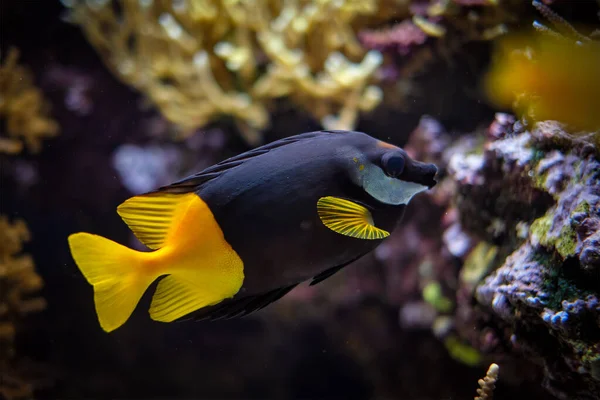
(117, 274)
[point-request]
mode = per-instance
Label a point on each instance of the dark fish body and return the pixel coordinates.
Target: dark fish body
(267, 211)
(241, 234)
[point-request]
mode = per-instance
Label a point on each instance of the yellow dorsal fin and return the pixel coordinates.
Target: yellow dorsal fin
(152, 216)
(348, 218)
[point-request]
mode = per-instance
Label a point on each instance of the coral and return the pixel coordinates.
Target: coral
(76, 84)
(400, 37)
(23, 108)
(533, 202)
(438, 37)
(338, 339)
(200, 60)
(142, 169)
(481, 181)
(468, 20)
(451, 24)
(18, 281)
(510, 271)
(488, 383)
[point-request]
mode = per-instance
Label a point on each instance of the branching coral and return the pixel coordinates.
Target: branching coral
(18, 281)
(198, 60)
(488, 383)
(23, 107)
(26, 124)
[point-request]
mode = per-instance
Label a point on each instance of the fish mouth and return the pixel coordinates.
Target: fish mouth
(432, 180)
(424, 174)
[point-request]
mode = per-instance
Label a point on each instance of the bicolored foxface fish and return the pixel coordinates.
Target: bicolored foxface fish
(242, 233)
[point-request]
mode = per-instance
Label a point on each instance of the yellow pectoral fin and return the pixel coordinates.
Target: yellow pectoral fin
(348, 218)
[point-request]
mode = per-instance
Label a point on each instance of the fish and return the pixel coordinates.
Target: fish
(547, 77)
(239, 235)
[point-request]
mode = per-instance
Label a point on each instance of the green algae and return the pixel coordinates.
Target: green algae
(560, 287)
(537, 156)
(594, 363)
(590, 358)
(583, 207)
(540, 228)
(462, 352)
(480, 262)
(565, 243)
(539, 181)
(432, 294)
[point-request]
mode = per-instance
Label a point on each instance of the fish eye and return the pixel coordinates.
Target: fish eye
(393, 164)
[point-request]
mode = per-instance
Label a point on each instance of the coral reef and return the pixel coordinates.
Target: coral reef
(441, 38)
(26, 123)
(438, 30)
(546, 291)
(497, 265)
(200, 60)
(467, 20)
(532, 200)
(510, 273)
(428, 271)
(19, 283)
(23, 107)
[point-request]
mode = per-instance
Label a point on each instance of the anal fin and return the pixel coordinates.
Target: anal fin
(348, 218)
(331, 271)
(177, 296)
(326, 274)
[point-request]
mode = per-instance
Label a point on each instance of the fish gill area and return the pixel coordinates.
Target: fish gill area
(488, 289)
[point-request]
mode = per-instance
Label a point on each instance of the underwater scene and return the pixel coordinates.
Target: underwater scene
(300, 199)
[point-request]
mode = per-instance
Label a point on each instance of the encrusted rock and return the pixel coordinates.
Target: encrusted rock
(535, 201)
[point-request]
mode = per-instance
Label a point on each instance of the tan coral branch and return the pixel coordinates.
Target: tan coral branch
(488, 383)
(23, 109)
(199, 60)
(18, 284)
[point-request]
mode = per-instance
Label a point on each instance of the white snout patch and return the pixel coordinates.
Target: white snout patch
(386, 189)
